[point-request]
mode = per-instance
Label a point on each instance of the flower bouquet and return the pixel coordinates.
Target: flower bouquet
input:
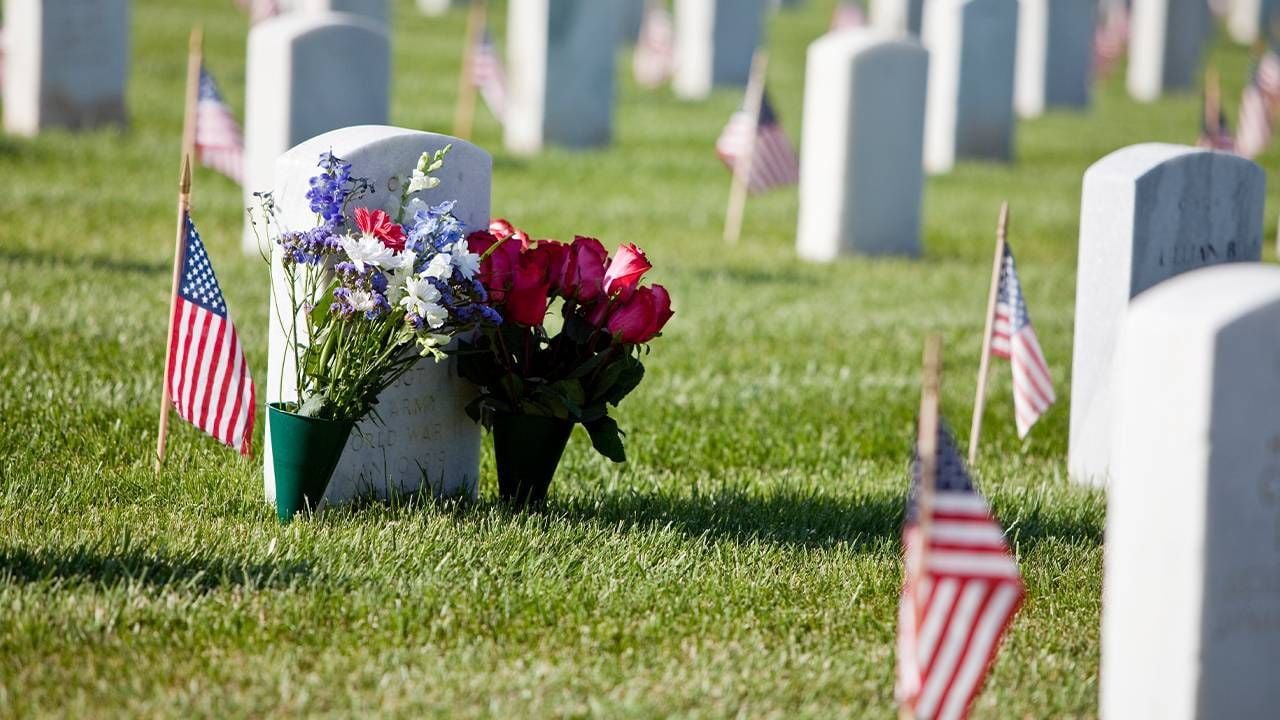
(575, 324)
(368, 296)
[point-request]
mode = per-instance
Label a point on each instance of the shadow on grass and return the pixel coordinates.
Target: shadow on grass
(115, 568)
(113, 265)
(802, 520)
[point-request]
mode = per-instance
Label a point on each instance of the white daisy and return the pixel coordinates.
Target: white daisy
(367, 250)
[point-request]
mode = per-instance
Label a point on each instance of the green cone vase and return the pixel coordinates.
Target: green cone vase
(527, 449)
(304, 453)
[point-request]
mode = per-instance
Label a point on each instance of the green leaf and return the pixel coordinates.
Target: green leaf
(632, 372)
(606, 438)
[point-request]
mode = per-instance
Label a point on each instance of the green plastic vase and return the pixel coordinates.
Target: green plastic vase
(527, 450)
(304, 453)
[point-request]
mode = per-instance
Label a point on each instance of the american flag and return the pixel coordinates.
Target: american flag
(1215, 131)
(847, 16)
(654, 57)
(773, 162)
(1258, 106)
(219, 142)
(259, 9)
(961, 591)
(1013, 338)
(209, 382)
(488, 74)
(1110, 37)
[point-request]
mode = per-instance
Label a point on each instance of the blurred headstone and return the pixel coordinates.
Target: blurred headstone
(436, 8)
(1055, 55)
(375, 10)
(715, 40)
(1165, 40)
(897, 16)
(1147, 213)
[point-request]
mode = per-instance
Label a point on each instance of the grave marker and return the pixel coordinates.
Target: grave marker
(308, 74)
(1148, 212)
(375, 10)
(1165, 39)
(971, 44)
(66, 64)
(860, 171)
(560, 71)
(899, 17)
(425, 419)
(715, 40)
(1191, 594)
(1055, 55)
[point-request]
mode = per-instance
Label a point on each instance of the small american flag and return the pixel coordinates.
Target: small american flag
(1013, 338)
(958, 599)
(1258, 105)
(654, 57)
(219, 142)
(847, 16)
(1110, 37)
(773, 162)
(488, 74)
(209, 382)
(259, 9)
(1215, 131)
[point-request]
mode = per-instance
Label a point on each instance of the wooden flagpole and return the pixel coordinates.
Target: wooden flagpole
(927, 447)
(742, 168)
(1212, 102)
(984, 364)
(464, 114)
(179, 256)
(195, 60)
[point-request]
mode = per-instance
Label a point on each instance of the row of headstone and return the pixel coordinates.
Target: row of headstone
(375, 10)
(1249, 21)
(714, 42)
(1166, 38)
(66, 64)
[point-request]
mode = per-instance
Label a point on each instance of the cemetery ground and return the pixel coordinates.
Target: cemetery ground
(744, 562)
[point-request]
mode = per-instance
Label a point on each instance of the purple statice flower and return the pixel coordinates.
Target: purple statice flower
(329, 189)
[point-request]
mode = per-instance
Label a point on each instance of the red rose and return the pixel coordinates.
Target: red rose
(503, 229)
(628, 266)
(549, 255)
(581, 275)
(497, 268)
(526, 303)
(378, 224)
(641, 316)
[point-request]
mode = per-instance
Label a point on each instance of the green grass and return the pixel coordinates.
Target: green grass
(745, 563)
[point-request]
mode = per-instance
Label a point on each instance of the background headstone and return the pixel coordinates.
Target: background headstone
(427, 433)
(715, 40)
(435, 8)
(860, 170)
(306, 74)
(66, 64)
(630, 17)
(1055, 55)
(375, 10)
(1251, 20)
(560, 70)
(1147, 212)
(1165, 40)
(972, 44)
(1191, 590)
(897, 16)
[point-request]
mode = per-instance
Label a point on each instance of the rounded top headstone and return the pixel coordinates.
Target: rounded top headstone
(1135, 161)
(296, 24)
(1208, 297)
(848, 43)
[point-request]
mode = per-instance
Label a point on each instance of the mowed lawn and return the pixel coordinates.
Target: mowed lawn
(744, 563)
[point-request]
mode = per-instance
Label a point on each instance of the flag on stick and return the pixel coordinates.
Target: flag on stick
(848, 15)
(219, 143)
(1258, 106)
(653, 60)
(1110, 37)
(1215, 131)
(259, 10)
(1013, 339)
(962, 586)
(759, 142)
(488, 75)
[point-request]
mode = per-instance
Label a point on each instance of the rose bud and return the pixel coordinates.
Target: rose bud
(628, 266)
(526, 303)
(639, 318)
(581, 275)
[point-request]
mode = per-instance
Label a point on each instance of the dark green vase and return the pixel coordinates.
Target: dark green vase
(304, 453)
(527, 449)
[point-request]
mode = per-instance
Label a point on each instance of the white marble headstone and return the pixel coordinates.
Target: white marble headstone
(630, 18)
(971, 47)
(426, 432)
(560, 72)
(1251, 20)
(434, 8)
(308, 73)
(1147, 213)
(860, 169)
(1165, 40)
(1055, 55)
(1191, 589)
(375, 10)
(66, 64)
(897, 16)
(715, 40)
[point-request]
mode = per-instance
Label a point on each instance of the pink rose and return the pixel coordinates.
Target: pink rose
(581, 274)
(502, 229)
(624, 273)
(549, 255)
(378, 224)
(495, 270)
(639, 318)
(526, 303)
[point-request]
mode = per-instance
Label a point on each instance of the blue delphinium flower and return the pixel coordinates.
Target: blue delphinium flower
(329, 189)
